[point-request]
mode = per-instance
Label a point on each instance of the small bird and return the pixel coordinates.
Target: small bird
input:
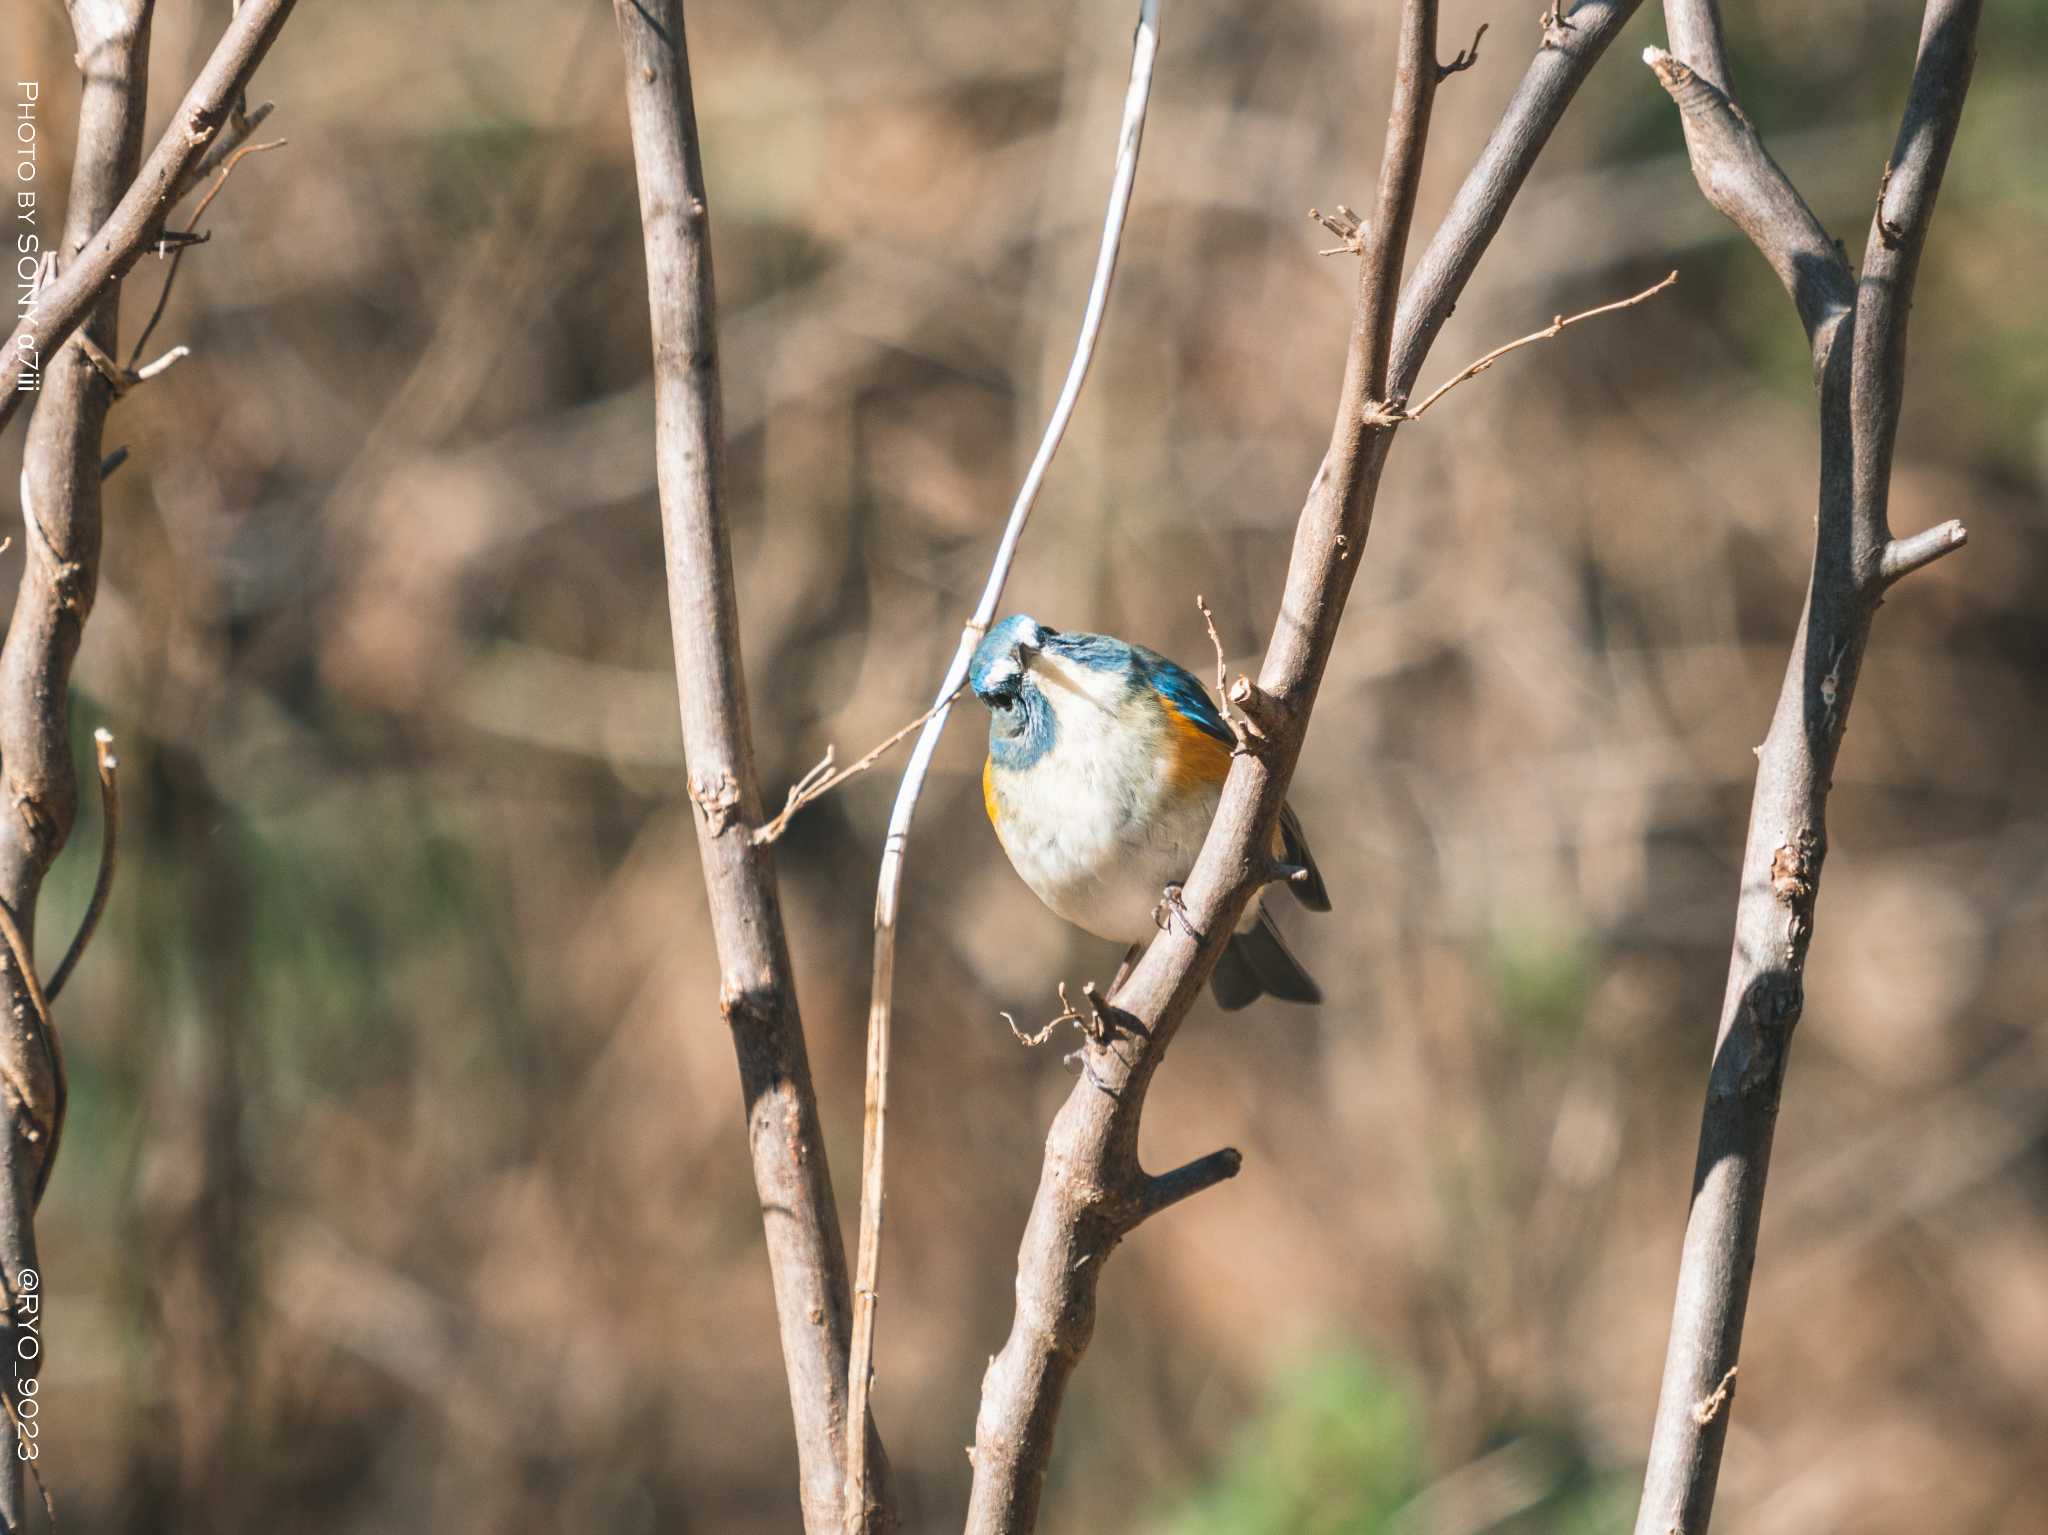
(1105, 765)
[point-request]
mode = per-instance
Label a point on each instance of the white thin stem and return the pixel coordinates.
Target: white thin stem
(1144, 49)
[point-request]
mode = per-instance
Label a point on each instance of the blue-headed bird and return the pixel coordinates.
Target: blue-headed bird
(1105, 765)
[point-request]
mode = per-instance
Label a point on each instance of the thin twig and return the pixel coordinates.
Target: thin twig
(1130, 135)
(1549, 332)
(110, 850)
(1247, 730)
(821, 780)
(1464, 59)
(1068, 1013)
(187, 237)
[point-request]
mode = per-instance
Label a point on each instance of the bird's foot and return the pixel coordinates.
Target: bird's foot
(1172, 908)
(1087, 1068)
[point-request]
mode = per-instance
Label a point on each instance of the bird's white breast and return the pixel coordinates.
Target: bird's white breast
(1093, 826)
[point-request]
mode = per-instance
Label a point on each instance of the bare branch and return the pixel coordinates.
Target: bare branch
(60, 508)
(1068, 1013)
(1903, 556)
(1130, 138)
(1235, 701)
(821, 780)
(1739, 177)
(1549, 332)
(1347, 226)
(1464, 59)
(1859, 357)
(1569, 48)
(1092, 1191)
(135, 223)
(1190, 1180)
(757, 991)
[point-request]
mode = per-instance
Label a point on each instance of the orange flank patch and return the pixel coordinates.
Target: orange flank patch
(988, 790)
(1194, 758)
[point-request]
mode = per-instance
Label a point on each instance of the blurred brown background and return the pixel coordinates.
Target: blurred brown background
(405, 1187)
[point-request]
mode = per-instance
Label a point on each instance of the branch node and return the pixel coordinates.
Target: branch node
(716, 799)
(1389, 415)
(1246, 710)
(1068, 1013)
(1464, 59)
(1185, 1182)
(1887, 231)
(1903, 556)
(1708, 1408)
(1347, 226)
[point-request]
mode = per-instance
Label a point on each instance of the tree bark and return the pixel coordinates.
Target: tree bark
(1856, 328)
(137, 220)
(60, 483)
(757, 991)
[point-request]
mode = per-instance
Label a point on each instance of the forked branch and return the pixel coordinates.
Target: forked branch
(136, 222)
(1857, 334)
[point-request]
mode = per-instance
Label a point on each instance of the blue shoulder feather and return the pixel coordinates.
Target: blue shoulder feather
(1181, 689)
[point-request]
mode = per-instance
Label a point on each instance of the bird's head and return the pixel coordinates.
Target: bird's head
(999, 671)
(1021, 723)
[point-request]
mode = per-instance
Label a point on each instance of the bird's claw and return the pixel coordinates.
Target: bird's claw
(1171, 906)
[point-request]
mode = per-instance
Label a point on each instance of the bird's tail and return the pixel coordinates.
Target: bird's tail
(1257, 963)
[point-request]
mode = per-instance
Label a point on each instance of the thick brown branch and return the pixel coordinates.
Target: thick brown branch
(1739, 177)
(134, 224)
(60, 504)
(757, 992)
(1854, 558)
